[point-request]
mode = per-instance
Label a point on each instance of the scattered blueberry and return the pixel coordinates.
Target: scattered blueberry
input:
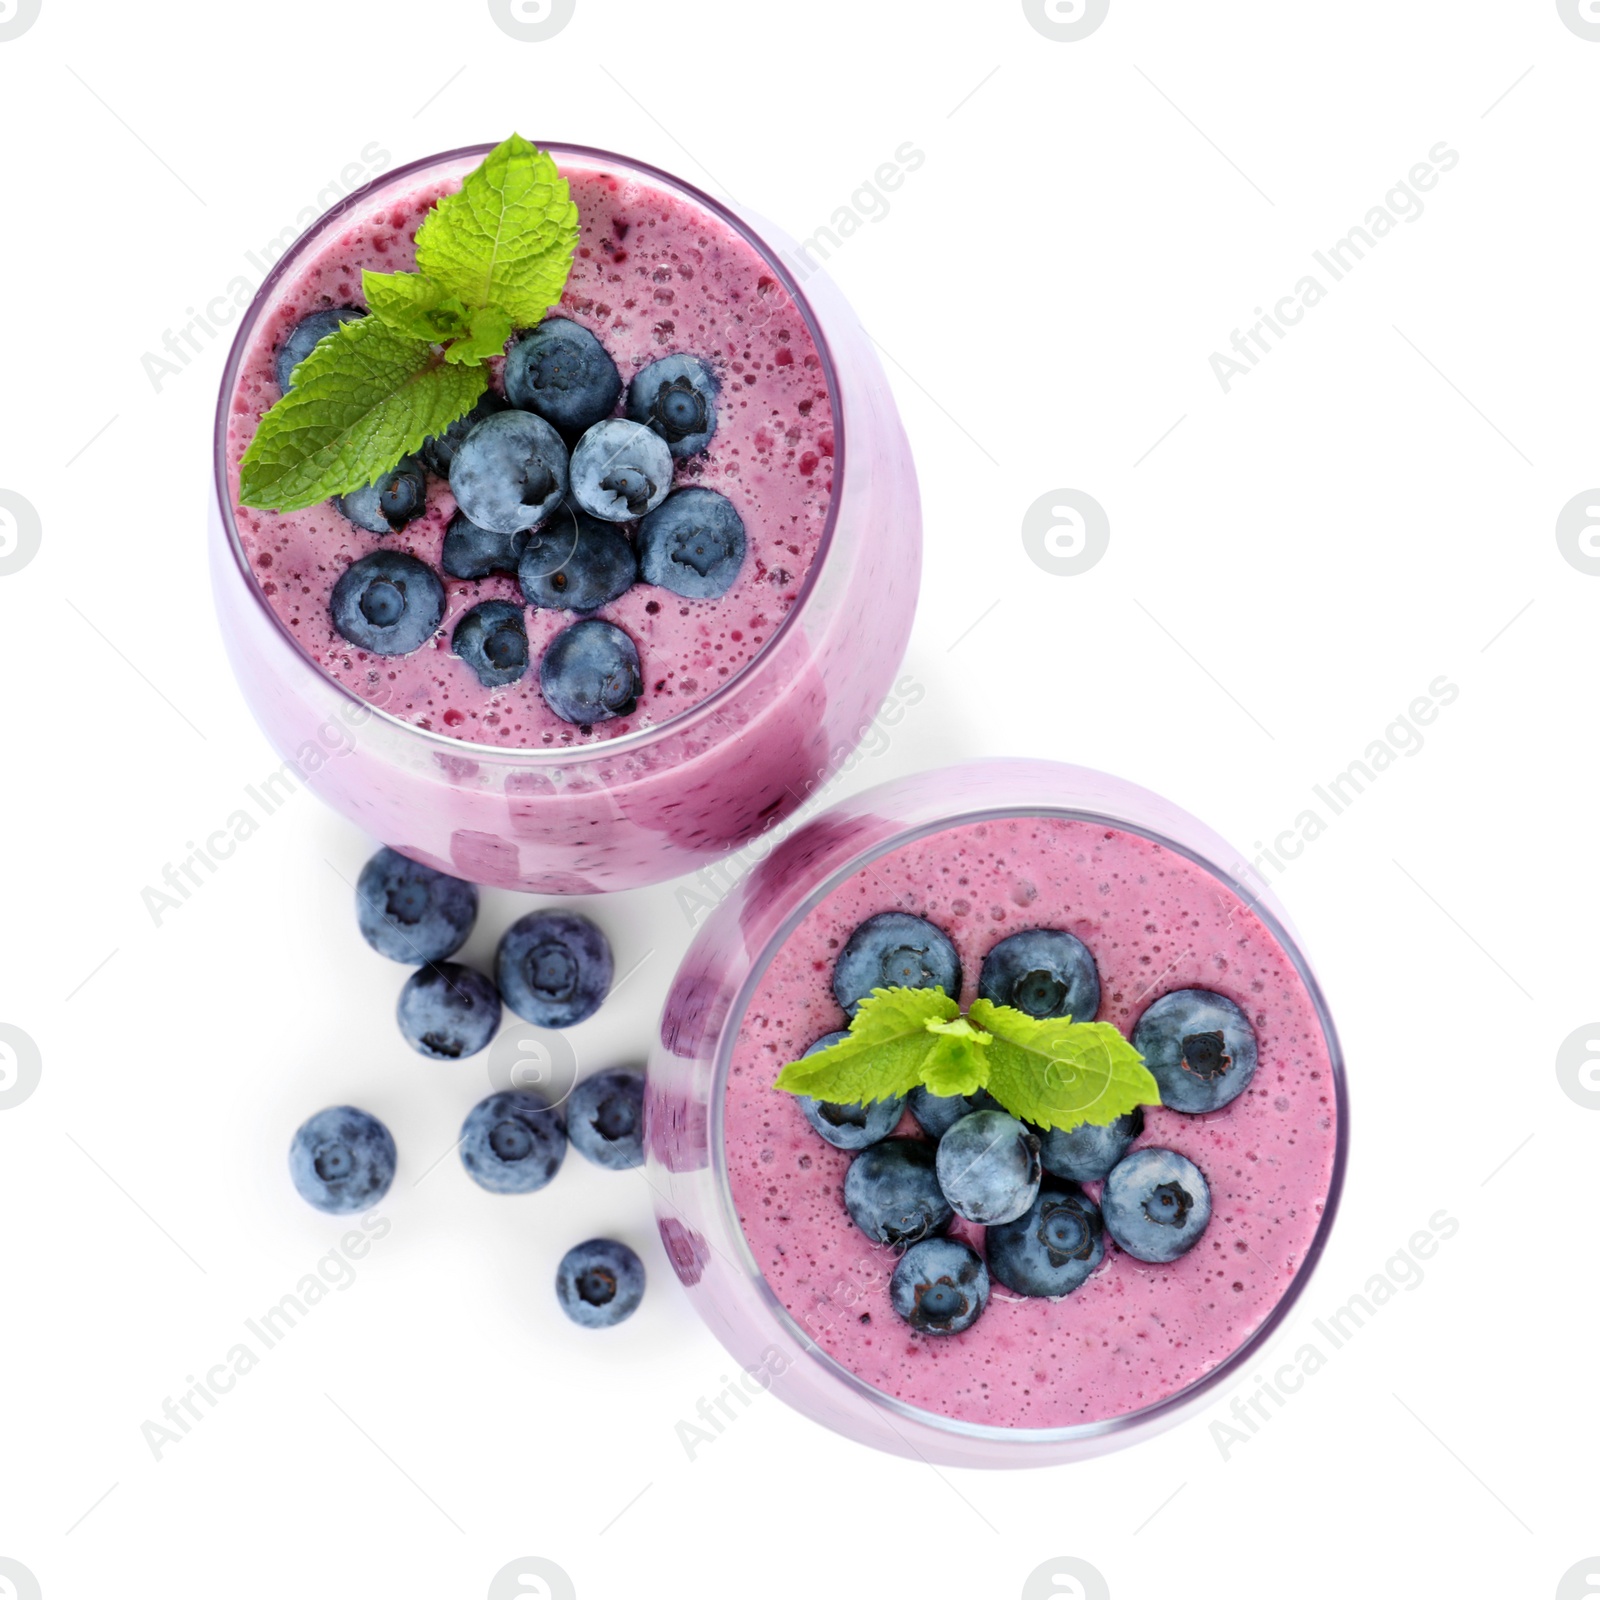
(562, 372)
(1087, 1153)
(676, 397)
(398, 497)
(510, 472)
(620, 471)
(342, 1160)
(988, 1166)
(576, 562)
(600, 1283)
(474, 552)
(848, 1127)
(438, 452)
(1156, 1204)
(1199, 1047)
(937, 1114)
(411, 913)
(388, 603)
(513, 1142)
(940, 1286)
(892, 1192)
(304, 337)
(692, 544)
(1052, 1247)
(590, 673)
(493, 640)
(1044, 972)
(895, 950)
(554, 968)
(605, 1118)
(448, 1011)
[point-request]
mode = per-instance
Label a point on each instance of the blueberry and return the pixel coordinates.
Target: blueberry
(692, 544)
(676, 397)
(1087, 1153)
(411, 913)
(620, 471)
(513, 1142)
(848, 1127)
(892, 1192)
(1052, 1247)
(988, 1166)
(1043, 972)
(492, 639)
(342, 1160)
(590, 673)
(576, 562)
(448, 1011)
(553, 967)
(439, 451)
(605, 1118)
(1199, 1047)
(940, 1286)
(1156, 1204)
(562, 372)
(304, 337)
(510, 472)
(895, 950)
(937, 1114)
(474, 552)
(600, 1283)
(386, 506)
(388, 603)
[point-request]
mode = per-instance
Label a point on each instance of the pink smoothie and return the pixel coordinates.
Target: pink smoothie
(654, 276)
(1134, 1334)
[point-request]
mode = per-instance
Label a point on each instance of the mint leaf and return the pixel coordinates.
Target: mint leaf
(414, 305)
(957, 1063)
(507, 237)
(490, 328)
(884, 1053)
(363, 398)
(1057, 1073)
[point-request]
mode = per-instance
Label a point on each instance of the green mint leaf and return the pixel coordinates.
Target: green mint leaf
(884, 1053)
(365, 397)
(957, 1064)
(507, 237)
(414, 305)
(1057, 1073)
(489, 329)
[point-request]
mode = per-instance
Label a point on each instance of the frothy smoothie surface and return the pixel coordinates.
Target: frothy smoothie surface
(655, 275)
(1134, 1334)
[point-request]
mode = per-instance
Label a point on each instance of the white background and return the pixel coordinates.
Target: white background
(1291, 565)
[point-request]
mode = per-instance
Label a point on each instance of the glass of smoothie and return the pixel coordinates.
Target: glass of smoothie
(743, 700)
(1171, 939)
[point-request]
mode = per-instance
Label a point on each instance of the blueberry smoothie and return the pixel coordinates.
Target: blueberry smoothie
(666, 322)
(1029, 1289)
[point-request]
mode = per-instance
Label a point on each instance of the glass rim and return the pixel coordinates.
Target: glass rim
(520, 755)
(1171, 1406)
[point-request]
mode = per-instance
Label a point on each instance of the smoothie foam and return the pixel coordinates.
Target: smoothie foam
(1133, 1335)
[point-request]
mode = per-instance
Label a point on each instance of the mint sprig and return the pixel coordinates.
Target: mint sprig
(493, 256)
(1053, 1072)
